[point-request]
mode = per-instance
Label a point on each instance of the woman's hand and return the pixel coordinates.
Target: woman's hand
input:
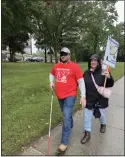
(106, 73)
(83, 102)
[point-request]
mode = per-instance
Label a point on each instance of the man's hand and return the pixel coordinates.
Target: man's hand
(51, 86)
(83, 102)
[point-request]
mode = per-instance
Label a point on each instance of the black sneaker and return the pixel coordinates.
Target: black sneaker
(103, 128)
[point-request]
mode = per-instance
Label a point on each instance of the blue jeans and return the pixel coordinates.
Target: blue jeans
(87, 118)
(66, 106)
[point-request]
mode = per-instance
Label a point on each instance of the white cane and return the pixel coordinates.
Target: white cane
(50, 123)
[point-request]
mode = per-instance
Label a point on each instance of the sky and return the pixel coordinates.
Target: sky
(120, 9)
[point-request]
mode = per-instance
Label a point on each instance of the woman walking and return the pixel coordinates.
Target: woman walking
(93, 98)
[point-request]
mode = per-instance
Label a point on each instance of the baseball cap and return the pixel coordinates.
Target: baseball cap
(95, 56)
(66, 50)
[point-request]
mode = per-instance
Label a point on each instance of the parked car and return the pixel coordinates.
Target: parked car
(28, 59)
(35, 59)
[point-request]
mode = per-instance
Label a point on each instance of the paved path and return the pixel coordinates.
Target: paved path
(109, 143)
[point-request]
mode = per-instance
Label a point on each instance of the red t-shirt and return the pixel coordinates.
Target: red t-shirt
(66, 76)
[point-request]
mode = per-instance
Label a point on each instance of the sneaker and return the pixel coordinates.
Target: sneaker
(61, 150)
(103, 128)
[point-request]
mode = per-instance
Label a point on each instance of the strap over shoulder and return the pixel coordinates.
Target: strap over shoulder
(94, 81)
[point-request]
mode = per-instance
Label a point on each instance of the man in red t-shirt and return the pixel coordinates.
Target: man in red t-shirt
(68, 76)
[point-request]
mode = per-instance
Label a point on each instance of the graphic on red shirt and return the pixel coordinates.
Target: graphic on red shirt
(62, 75)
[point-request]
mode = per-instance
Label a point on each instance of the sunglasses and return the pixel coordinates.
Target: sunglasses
(63, 53)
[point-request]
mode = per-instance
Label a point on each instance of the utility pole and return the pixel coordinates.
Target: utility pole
(31, 44)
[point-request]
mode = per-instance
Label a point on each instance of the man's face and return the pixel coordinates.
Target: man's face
(64, 57)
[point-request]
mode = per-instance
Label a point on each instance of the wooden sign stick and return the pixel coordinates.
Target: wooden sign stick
(106, 77)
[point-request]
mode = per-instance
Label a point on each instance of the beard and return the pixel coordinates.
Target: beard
(64, 61)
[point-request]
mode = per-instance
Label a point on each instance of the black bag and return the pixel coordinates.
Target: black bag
(96, 111)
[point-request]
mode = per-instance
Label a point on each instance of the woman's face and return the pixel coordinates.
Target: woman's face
(93, 63)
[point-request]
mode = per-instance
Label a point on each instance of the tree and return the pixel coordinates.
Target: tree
(83, 25)
(118, 34)
(58, 21)
(16, 25)
(99, 19)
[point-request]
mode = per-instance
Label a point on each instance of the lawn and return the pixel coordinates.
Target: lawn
(26, 103)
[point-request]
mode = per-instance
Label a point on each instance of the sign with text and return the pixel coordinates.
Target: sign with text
(111, 52)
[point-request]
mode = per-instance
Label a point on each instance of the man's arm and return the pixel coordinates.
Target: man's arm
(51, 79)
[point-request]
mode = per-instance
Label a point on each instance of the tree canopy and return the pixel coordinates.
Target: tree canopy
(83, 26)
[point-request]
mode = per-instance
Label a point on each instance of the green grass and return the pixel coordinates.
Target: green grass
(26, 101)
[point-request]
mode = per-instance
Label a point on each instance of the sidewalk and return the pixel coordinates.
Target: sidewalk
(109, 143)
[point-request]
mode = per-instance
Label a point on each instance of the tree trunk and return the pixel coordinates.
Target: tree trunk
(56, 52)
(51, 55)
(95, 44)
(23, 57)
(12, 55)
(31, 45)
(51, 58)
(45, 55)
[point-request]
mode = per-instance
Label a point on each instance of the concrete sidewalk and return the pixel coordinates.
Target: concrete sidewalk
(109, 143)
